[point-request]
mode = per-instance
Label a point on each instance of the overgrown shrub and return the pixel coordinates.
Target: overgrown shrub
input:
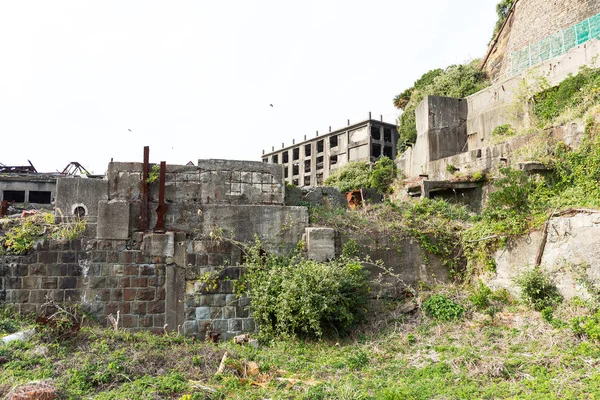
(436, 224)
(22, 233)
(502, 9)
(521, 202)
(20, 239)
(481, 297)
(576, 93)
(588, 325)
(442, 308)
(451, 168)
(360, 175)
(456, 81)
(537, 289)
(292, 296)
(502, 132)
(353, 176)
(383, 174)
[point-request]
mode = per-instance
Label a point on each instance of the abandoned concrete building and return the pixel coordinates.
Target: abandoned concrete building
(25, 187)
(310, 162)
(20, 185)
(455, 135)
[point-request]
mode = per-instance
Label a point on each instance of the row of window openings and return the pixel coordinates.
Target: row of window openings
(18, 196)
(333, 142)
(306, 180)
(307, 166)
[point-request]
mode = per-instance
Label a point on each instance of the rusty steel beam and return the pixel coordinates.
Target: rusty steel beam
(162, 208)
(145, 175)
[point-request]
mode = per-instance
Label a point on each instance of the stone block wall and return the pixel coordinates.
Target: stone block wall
(151, 280)
(215, 308)
(104, 276)
(532, 21)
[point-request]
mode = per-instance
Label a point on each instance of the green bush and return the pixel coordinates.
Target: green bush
(478, 176)
(503, 131)
(502, 10)
(360, 175)
(292, 296)
(587, 326)
(20, 239)
(577, 92)
(353, 176)
(521, 202)
(442, 308)
(451, 168)
(537, 289)
(358, 360)
(480, 298)
(383, 174)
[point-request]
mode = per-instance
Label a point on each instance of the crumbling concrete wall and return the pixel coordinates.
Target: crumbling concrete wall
(570, 256)
(28, 183)
(497, 104)
(486, 110)
(74, 194)
(441, 132)
(398, 266)
(241, 200)
(314, 196)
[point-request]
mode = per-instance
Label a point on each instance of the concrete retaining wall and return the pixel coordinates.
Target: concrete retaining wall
(570, 256)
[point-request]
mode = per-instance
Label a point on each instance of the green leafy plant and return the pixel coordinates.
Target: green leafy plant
(352, 176)
(383, 174)
(503, 132)
(478, 176)
(502, 9)
(537, 289)
(358, 359)
(360, 175)
(292, 296)
(480, 298)
(587, 325)
(154, 174)
(442, 308)
(576, 94)
(451, 168)
(20, 239)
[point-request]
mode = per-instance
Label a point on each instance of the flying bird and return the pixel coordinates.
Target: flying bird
(129, 130)
(271, 105)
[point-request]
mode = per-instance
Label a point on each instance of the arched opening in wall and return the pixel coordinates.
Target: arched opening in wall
(79, 212)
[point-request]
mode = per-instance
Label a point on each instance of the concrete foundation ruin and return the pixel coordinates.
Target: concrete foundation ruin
(153, 279)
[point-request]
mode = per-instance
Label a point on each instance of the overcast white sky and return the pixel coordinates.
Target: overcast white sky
(194, 79)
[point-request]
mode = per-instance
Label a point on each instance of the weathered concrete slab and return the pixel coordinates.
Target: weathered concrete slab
(570, 256)
(113, 219)
(73, 192)
(280, 227)
(159, 244)
(320, 243)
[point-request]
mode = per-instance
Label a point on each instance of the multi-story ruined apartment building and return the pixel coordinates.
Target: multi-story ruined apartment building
(310, 162)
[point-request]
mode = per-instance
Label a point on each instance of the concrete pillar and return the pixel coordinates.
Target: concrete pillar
(320, 243)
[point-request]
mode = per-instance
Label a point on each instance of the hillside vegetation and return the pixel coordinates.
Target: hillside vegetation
(467, 344)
